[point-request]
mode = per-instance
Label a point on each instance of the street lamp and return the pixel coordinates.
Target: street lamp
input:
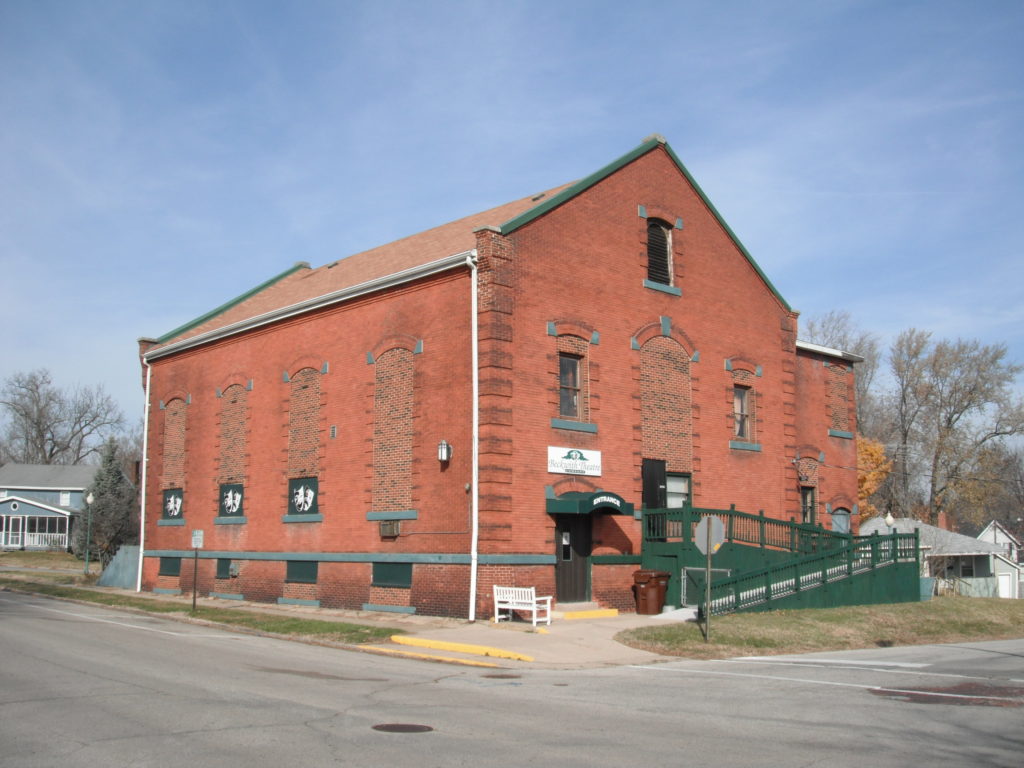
(88, 530)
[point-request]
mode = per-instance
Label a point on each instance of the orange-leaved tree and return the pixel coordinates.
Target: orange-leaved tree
(873, 467)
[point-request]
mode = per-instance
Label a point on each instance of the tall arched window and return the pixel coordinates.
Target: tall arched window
(659, 249)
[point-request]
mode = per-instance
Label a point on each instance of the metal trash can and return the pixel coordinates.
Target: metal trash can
(649, 587)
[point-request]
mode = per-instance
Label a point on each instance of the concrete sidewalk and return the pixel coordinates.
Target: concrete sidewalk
(566, 644)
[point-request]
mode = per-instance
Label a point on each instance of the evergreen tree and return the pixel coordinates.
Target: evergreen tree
(112, 505)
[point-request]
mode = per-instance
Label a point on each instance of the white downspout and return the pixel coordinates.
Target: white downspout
(474, 491)
(145, 474)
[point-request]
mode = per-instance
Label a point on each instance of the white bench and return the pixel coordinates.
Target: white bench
(520, 599)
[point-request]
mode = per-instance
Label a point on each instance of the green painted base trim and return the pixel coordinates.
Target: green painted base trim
(294, 601)
(302, 518)
(396, 514)
(161, 591)
(738, 446)
(389, 608)
(615, 559)
(172, 523)
(575, 426)
(840, 433)
(357, 557)
(669, 289)
(227, 595)
(233, 520)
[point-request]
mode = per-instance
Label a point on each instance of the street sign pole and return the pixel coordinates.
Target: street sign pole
(707, 589)
(708, 537)
(197, 544)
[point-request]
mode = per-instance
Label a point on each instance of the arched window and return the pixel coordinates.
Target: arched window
(659, 249)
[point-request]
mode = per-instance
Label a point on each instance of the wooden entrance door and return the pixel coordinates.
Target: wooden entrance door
(572, 550)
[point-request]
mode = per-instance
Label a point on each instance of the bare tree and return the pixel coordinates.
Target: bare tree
(43, 424)
(970, 407)
(836, 329)
(907, 364)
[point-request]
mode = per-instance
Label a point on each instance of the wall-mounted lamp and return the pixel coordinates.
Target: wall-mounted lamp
(444, 452)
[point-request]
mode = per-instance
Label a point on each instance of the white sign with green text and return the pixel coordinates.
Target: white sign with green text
(573, 461)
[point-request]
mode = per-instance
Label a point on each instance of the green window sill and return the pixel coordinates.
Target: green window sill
(669, 289)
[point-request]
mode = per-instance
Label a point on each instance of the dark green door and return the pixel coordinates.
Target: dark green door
(572, 550)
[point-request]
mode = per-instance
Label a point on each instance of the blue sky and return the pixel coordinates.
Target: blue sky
(159, 158)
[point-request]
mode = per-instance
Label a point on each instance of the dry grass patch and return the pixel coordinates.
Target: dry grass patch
(941, 620)
(296, 627)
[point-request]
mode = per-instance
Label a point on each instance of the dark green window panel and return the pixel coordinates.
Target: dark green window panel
(223, 568)
(170, 566)
(301, 571)
(303, 496)
(392, 575)
(231, 496)
(174, 504)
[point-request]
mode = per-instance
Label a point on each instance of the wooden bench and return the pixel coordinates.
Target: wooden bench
(520, 599)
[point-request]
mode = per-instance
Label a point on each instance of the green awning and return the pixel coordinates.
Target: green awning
(576, 503)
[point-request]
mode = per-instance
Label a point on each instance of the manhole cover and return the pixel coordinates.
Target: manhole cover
(402, 728)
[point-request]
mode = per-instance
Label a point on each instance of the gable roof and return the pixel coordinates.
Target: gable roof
(995, 524)
(301, 288)
(16, 505)
(940, 542)
(55, 477)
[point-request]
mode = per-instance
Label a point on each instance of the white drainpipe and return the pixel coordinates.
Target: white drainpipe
(474, 490)
(145, 474)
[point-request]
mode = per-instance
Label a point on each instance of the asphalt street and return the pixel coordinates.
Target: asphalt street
(86, 685)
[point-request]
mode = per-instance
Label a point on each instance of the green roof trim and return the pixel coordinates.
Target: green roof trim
(234, 302)
(584, 184)
(580, 186)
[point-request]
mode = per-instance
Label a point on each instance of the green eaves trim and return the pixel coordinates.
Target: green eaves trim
(228, 305)
(584, 184)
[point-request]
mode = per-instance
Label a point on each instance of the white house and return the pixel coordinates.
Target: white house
(996, 533)
(39, 503)
(960, 564)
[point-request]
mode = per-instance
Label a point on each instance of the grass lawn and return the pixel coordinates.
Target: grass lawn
(939, 620)
(70, 585)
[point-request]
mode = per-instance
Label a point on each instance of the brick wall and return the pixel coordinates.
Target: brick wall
(666, 416)
(656, 387)
(393, 430)
(304, 424)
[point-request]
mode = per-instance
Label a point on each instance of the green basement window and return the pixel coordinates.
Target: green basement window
(301, 571)
(170, 566)
(223, 568)
(392, 575)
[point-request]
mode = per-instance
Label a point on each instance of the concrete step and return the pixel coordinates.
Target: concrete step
(591, 610)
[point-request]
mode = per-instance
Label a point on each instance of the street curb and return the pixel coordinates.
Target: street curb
(474, 650)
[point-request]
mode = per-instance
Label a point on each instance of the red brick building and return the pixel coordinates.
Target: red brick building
(490, 401)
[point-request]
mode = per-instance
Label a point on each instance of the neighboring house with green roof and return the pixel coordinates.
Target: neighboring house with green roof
(39, 503)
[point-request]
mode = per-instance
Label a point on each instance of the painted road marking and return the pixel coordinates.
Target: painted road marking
(783, 660)
(133, 626)
(859, 686)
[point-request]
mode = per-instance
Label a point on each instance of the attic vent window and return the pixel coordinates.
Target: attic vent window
(537, 197)
(659, 267)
